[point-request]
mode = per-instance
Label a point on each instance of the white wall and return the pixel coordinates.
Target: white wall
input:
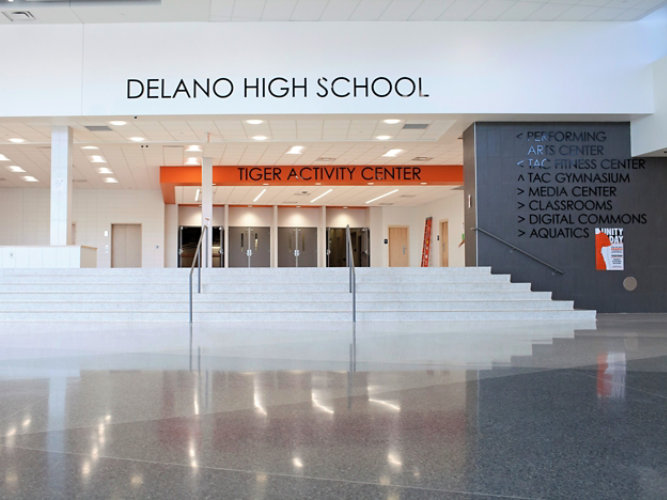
(299, 217)
(466, 67)
(342, 217)
(24, 216)
(250, 216)
(649, 134)
(24, 219)
(449, 208)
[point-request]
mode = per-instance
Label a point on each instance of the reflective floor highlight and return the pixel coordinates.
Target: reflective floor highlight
(399, 411)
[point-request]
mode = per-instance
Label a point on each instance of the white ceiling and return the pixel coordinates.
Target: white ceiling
(326, 140)
(64, 11)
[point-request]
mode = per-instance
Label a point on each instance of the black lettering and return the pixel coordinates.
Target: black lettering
(130, 83)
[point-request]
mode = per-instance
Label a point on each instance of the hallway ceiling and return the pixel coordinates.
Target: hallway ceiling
(325, 140)
(105, 11)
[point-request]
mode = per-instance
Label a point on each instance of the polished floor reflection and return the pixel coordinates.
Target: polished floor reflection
(400, 411)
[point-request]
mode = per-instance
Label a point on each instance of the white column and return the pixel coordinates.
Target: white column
(207, 207)
(171, 236)
(61, 186)
(322, 238)
(226, 236)
(274, 237)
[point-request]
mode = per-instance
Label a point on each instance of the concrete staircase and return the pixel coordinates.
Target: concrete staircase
(283, 294)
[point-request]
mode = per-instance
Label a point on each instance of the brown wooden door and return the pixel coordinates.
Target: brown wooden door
(399, 255)
(126, 245)
(444, 243)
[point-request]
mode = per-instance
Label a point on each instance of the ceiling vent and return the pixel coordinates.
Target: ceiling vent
(408, 196)
(98, 128)
(79, 181)
(415, 126)
(20, 16)
(302, 193)
(386, 204)
(422, 158)
(325, 158)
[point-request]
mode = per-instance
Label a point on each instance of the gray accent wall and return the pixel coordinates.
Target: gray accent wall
(545, 188)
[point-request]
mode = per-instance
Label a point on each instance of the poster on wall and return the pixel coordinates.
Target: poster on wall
(609, 249)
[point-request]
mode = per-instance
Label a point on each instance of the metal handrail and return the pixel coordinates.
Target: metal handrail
(197, 258)
(514, 247)
(353, 278)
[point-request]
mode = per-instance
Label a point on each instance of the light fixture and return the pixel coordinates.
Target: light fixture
(15, 168)
(370, 183)
(97, 159)
(137, 139)
(92, 148)
(254, 122)
(392, 153)
(197, 194)
(297, 462)
(117, 123)
(259, 137)
(391, 121)
(29, 178)
(259, 195)
(321, 196)
(295, 150)
(192, 161)
(16, 140)
(382, 196)
(111, 180)
(423, 183)
(3, 158)
(104, 170)
(383, 137)
(193, 149)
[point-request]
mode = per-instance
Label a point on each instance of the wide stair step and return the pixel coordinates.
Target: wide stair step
(269, 294)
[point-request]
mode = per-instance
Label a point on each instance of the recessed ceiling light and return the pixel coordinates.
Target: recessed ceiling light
(321, 196)
(392, 121)
(137, 139)
(392, 153)
(104, 170)
(110, 180)
(260, 137)
(16, 140)
(382, 196)
(423, 183)
(192, 161)
(117, 123)
(97, 159)
(91, 148)
(259, 195)
(3, 158)
(370, 183)
(383, 137)
(254, 122)
(29, 178)
(15, 168)
(193, 149)
(295, 150)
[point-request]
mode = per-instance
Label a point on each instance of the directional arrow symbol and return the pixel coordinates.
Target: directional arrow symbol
(521, 233)
(520, 205)
(520, 163)
(519, 191)
(519, 135)
(521, 178)
(521, 218)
